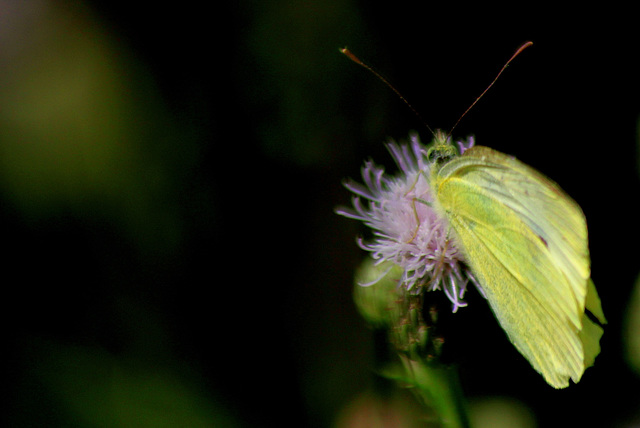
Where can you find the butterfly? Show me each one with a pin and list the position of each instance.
(526, 243)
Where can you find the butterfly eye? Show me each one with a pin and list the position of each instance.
(441, 153)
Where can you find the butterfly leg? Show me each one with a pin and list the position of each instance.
(415, 213)
(414, 207)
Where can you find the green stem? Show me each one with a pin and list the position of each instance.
(438, 388)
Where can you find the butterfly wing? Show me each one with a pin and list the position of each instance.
(526, 242)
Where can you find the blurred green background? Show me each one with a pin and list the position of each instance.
(168, 175)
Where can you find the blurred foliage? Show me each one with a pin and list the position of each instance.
(88, 387)
(500, 412)
(82, 126)
(632, 329)
(89, 157)
(632, 311)
(368, 410)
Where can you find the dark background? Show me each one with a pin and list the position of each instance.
(169, 174)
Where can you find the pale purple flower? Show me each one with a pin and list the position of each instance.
(407, 230)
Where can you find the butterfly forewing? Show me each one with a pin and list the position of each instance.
(526, 242)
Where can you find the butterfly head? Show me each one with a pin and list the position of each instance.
(441, 149)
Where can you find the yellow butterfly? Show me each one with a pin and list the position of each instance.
(526, 242)
(524, 239)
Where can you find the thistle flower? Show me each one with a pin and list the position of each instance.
(407, 231)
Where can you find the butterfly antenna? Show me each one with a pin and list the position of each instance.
(520, 49)
(358, 61)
